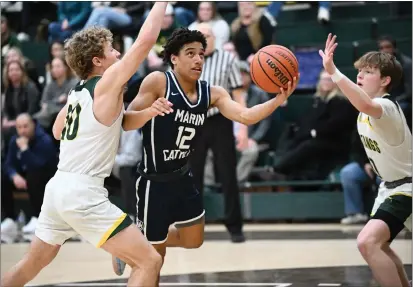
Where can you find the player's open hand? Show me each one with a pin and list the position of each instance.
(161, 107)
(284, 94)
(328, 54)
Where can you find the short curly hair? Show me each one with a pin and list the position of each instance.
(178, 39)
(83, 46)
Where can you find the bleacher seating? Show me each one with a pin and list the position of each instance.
(357, 24)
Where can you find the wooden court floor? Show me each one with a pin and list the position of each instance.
(273, 255)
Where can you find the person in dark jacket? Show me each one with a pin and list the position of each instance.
(322, 137)
(30, 163)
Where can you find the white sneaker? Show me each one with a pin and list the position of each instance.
(9, 226)
(357, 218)
(31, 226)
(323, 15)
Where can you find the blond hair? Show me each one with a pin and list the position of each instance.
(83, 46)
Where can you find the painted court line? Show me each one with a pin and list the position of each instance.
(180, 284)
(329, 284)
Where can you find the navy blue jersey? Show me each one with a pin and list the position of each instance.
(168, 140)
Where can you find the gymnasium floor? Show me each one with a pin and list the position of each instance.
(275, 255)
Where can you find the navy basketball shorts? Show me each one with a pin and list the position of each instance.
(161, 204)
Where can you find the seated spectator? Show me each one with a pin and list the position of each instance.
(403, 92)
(256, 133)
(55, 93)
(30, 163)
(111, 15)
(355, 176)
(251, 31)
(207, 12)
(72, 16)
(8, 39)
(322, 136)
(15, 54)
(56, 49)
(20, 96)
(126, 161)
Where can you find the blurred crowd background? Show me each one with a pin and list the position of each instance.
(308, 144)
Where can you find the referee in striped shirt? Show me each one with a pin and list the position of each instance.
(221, 69)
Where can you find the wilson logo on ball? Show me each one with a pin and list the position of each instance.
(277, 72)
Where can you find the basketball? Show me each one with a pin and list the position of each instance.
(273, 67)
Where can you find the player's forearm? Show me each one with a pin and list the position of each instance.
(146, 39)
(357, 97)
(256, 113)
(133, 120)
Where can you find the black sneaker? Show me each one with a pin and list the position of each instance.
(237, 237)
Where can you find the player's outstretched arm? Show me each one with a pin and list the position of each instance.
(118, 74)
(59, 123)
(150, 102)
(248, 116)
(358, 98)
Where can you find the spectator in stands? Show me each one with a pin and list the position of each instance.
(31, 162)
(126, 161)
(15, 54)
(322, 136)
(403, 92)
(20, 96)
(111, 15)
(169, 24)
(207, 12)
(72, 16)
(55, 50)
(256, 133)
(323, 15)
(251, 31)
(355, 176)
(55, 93)
(8, 39)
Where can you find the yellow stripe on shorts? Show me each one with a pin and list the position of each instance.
(111, 229)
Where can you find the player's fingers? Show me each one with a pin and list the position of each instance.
(332, 41)
(333, 48)
(167, 107)
(328, 40)
(159, 108)
(165, 102)
(321, 53)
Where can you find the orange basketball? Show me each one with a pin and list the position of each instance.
(273, 67)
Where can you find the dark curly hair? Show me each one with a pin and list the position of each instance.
(178, 39)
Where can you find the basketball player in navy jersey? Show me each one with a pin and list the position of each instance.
(171, 107)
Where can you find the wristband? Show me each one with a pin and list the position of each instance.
(337, 76)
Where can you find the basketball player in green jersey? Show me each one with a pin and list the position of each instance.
(89, 126)
(387, 141)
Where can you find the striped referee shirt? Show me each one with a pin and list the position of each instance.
(221, 68)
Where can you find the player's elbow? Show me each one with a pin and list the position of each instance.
(57, 133)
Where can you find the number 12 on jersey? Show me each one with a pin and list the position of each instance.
(184, 134)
